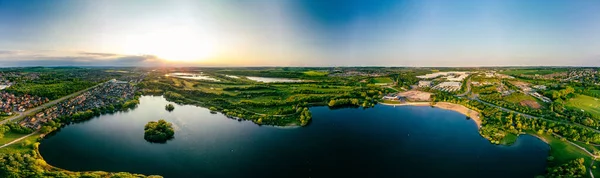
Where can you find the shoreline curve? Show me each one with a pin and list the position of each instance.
(474, 115)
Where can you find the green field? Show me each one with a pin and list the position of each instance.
(586, 103)
(595, 92)
(382, 80)
(518, 97)
(313, 73)
(19, 147)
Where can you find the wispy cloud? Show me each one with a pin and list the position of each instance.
(10, 58)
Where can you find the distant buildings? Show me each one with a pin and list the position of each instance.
(540, 87)
(392, 97)
(448, 86)
(528, 90)
(450, 76)
(424, 84)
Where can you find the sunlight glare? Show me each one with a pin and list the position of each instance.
(175, 44)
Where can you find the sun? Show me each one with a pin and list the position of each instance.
(175, 44)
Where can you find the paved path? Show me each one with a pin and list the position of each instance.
(535, 117)
(18, 139)
(592, 155)
(592, 165)
(44, 106)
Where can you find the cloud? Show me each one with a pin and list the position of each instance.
(99, 54)
(4, 52)
(15, 58)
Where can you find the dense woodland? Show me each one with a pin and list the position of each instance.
(158, 132)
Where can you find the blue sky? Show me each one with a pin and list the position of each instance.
(300, 33)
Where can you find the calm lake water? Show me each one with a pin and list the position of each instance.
(192, 76)
(271, 80)
(384, 141)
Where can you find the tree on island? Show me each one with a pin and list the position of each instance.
(159, 132)
(169, 107)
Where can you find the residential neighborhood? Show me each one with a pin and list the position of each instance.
(106, 94)
(12, 103)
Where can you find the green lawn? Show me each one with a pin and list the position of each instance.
(509, 139)
(9, 136)
(382, 80)
(586, 103)
(563, 151)
(590, 148)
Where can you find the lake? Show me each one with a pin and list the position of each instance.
(385, 141)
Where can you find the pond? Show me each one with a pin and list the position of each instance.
(192, 76)
(271, 80)
(385, 141)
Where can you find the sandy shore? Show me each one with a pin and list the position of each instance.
(474, 115)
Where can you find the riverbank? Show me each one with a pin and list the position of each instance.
(474, 115)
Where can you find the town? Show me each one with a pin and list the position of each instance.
(106, 94)
(10, 103)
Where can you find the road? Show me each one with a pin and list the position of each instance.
(20, 115)
(468, 88)
(18, 139)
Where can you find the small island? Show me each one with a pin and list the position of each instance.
(158, 132)
(169, 107)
